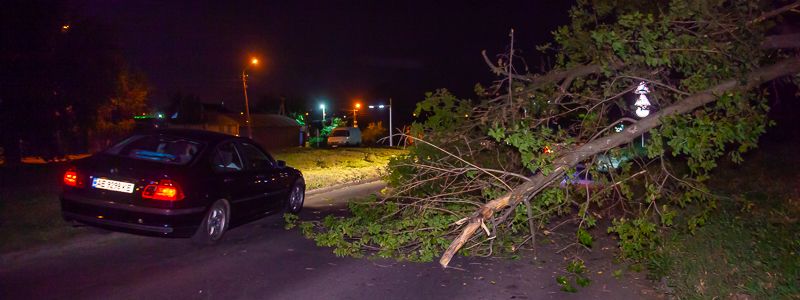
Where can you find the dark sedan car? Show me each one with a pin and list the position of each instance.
(179, 183)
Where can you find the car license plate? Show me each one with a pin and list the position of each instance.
(112, 185)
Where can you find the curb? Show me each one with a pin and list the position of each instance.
(341, 186)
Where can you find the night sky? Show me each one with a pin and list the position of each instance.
(313, 50)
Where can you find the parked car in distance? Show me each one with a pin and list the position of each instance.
(179, 183)
(345, 136)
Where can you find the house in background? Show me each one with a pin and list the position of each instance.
(271, 131)
(204, 116)
(274, 131)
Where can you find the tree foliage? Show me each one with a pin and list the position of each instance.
(373, 133)
(469, 153)
(60, 74)
(115, 117)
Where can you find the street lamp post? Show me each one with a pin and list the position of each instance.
(253, 62)
(355, 111)
(391, 144)
(322, 107)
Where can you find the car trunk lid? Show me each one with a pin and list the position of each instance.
(122, 179)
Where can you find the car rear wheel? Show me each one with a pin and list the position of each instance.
(296, 197)
(214, 224)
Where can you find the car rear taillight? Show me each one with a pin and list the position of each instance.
(165, 189)
(72, 178)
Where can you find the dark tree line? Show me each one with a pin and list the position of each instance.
(62, 79)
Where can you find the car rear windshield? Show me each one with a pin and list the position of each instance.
(159, 148)
(341, 133)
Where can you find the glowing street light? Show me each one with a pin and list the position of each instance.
(253, 62)
(322, 107)
(391, 144)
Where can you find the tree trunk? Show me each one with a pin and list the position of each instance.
(539, 181)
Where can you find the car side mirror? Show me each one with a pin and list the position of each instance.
(281, 164)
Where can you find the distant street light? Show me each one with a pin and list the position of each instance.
(322, 107)
(391, 144)
(253, 62)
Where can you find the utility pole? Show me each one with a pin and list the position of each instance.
(247, 105)
(253, 62)
(390, 123)
(322, 106)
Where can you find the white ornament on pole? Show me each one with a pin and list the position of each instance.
(642, 104)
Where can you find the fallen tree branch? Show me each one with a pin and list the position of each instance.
(773, 13)
(497, 70)
(578, 71)
(782, 41)
(540, 180)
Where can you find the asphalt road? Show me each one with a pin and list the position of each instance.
(262, 260)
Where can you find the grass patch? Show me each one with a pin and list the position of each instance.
(327, 167)
(751, 246)
(31, 214)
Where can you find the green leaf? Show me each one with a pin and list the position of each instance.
(584, 237)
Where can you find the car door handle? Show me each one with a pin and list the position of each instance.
(227, 180)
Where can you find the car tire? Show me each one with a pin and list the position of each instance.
(297, 195)
(214, 224)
